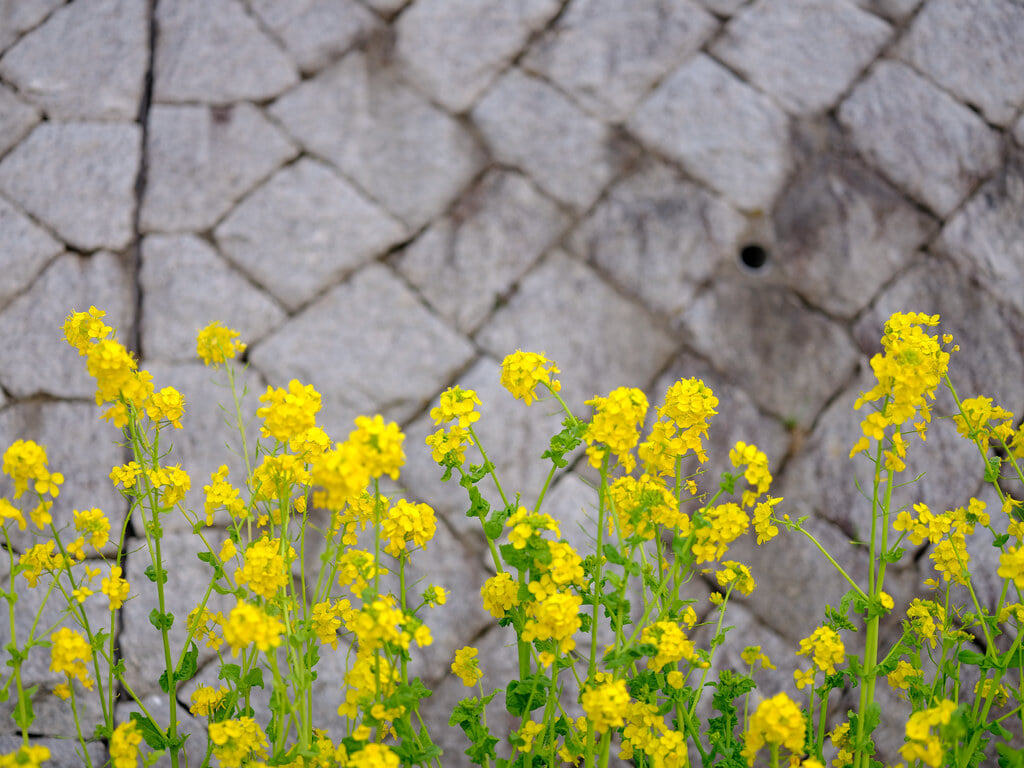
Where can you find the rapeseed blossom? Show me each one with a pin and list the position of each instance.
(124, 745)
(756, 473)
(205, 699)
(166, 405)
(250, 625)
(688, 405)
(81, 329)
(605, 702)
(25, 461)
(924, 740)
(265, 569)
(237, 741)
(500, 594)
(456, 404)
(69, 652)
(466, 666)
(216, 344)
(94, 523)
(115, 588)
(221, 494)
(25, 757)
(288, 412)
(380, 444)
(406, 522)
(556, 617)
(521, 372)
(778, 722)
(615, 426)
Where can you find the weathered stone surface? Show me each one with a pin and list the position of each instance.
(197, 43)
(798, 356)
(16, 119)
(37, 359)
(101, 67)
(314, 221)
(386, 7)
(895, 10)
(990, 361)
(385, 362)
(184, 283)
(79, 179)
(514, 437)
(1018, 131)
(316, 32)
(79, 445)
(20, 16)
(53, 717)
(659, 237)
(529, 124)
(187, 581)
(843, 233)
(826, 45)
(738, 417)
(724, 8)
(607, 55)
(409, 155)
(26, 249)
(986, 236)
(453, 49)
(599, 340)
(463, 263)
(722, 130)
(972, 49)
(209, 437)
(929, 145)
(64, 753)
(203, 160)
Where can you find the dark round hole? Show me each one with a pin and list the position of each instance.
(753, 256)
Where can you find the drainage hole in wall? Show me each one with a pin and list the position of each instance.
(754, 257)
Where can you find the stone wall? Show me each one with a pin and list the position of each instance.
(386, 197)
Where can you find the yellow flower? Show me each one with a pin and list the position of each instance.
(265, 569)
(736, 574)
(923, 741)
(10, 512)
(521, 372)
(605, 703)
(500, 593)
(374, 756)
(467, 666)
(166, 405)
(84, 328)
(380, 444)
(26, 461)
(450, 445)
(25, 757)
(249, 624)
(778, 721)
(235, 741)
(69, 653)
(173, 480)
(756, 474)
(1011, 566)
(456, 404)
(289, 412)
(407, 522)
(217, 344)
(94, 523)
(689, 404)
(124, 745)
(326, 623)
(556, 617)
(206, 699)
(39, 558)
(753, 654)
(126, 474)
(825, 648)
(615, 426)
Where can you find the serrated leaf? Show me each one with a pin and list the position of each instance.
(150, 732)
(150, 572)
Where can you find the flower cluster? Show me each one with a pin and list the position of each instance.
(521, 372)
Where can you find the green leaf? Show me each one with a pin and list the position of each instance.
(151, 574)
(728, 483)
(150, 732)
(255, 678)
(189, 664)
(613, 555)
(161, 621)
(992, 469)
(526, 695)
(999, 540)
(230, 672)
(23, 714)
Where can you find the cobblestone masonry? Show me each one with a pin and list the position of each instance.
(387, 196)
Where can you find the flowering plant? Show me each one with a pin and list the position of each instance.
(607, 649)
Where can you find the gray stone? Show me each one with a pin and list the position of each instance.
(659, 237)
(187, 580)
(316, 32)
(599, 339)
(386, 7)
(53, 717)
(514, 437)
(608, 55)
(184, 283)
(826, 46)
(203, 160)
(894, 10)
(26, 247)
(209, 436)
(101, 67)
(972, 49)
(17, 118)
(63, 753)
(799, 357)
(193, 728)
(986, 236)
(1018, 131)
(723, 7)
(927, 144)
(311, 220)
(453, 49)
(463, 263)
(989, 362)
(410, 156)
(843, 233)
(529, 124)
(37, 358)
(197, 43)
(20, 16)
(723, 131)
(79, 179)
(385, 362)
(65, 430)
